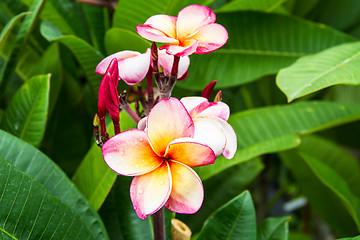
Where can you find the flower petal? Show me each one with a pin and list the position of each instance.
(187, 192)
(103, 65)
(191, 18)
(192, 103)
(231, 141)
(190, 152)
(201, 107)
(166, 61)
(210, 37)
(154, 34)
(208, 131)
(216, 109)
(133, 70)
(167, 121)
(150, 192)
(187, 47)
(164, 23)
(129, 153)
(142, 124)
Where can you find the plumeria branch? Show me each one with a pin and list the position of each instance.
(159, 224)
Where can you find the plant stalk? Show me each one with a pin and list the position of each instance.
(159, 224)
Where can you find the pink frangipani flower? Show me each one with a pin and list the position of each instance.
(133, 66)
(210, 124)
(193, 31)
(161, 158)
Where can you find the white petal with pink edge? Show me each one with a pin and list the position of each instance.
(166, 61)
(187, 193)
(231, 141)
(167, 121)
(133, 70)
(103, 65)
(191, 103)
(208, 132)
(191, 18)
(216, 109)
(129, 153)
(190, 152)
(164, 23)
(150, 192)
(154, 34)
(210, 38)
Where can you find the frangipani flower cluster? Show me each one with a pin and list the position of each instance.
(175, 135)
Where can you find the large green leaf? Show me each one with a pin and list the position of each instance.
(87, 56)
(26, 114)
(34, 163)
(28, 211)
(118, 39)
(22, 37)
(254, 5)
(276, 128)
(9, 26)
(337, 65)
(326, 186)
(93, 177)
(222, 188)
(259, 44)
(345, 164)
(235, 220)
(274, 229)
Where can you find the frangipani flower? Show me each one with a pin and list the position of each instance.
(161, 158)
(133, 66)
(193, 31)
(109, 97)
(211, 127)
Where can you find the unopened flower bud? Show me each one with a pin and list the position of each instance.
(218, 97)
(206, 93)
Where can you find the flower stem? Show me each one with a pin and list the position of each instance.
(159, 225)
(126, 107)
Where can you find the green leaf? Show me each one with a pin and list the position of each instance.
(28, 211)
(87, 56)
(336, 65)
(235, 220)
(9, 26)
(274, 229)
(259, 44)
(95, 18)
(327, 191)
(276, 128)
(222, 188)
(330, 153)
(21, 38)
(93, 177)
(50, 62)
(35, 164)
(253, 5)
(354, 238)
(118, 39)
(26, 114)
